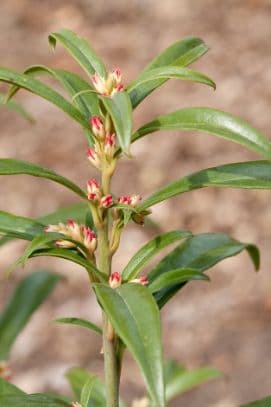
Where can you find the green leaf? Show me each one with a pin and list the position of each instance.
(266, 402)
(28, 296)
(35, 400)
(164, 73)
(44, 91)
(120, 110)
(9, 166)
(200, 252)
(139, 331)
(86, 392)
(77, 212)
(181, 380)
(79, 322)
(150, 249)
(247, 175)
(80, 50)
(8, 389)
(214, 122)
(174, 277)
(17, 107)
(181, 53)
(19, 227)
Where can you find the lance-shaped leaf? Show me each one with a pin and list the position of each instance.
(164, 73)
(80, 50)
(247, 175)
(179, 380)
(212, 121)
(17, 107)
(173, 277)
(150, 249)
(8, 389)
(77, 212)
(181, 53)
(19, 227)
(79, 322)
(120, 109)
(28, 296)
(9, 166)
(140, 331)
(265, 402)
(40, 89)
(35, 400)
(200, 252)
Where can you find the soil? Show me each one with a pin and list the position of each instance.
(225, 324)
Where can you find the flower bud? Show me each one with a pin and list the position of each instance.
(97, 127)
(107, 201)
(98, 83)
(90, 241)
(115, 280)
(76, 404)
(109, 86)
(141, 280)
(94, 190)
(125, 199)
(65, 244)
(93, 158)
(74, 230)
(109, 145)
(135, 199)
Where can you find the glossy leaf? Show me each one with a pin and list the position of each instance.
(120, 110)
(35, 400)
(79, 322)
(28, 296)
(212, 121)
(150, 249)
(19, 227)
(9, 166)
(247, 175)
(44, 91)
(200, 252)
(164, 73)
(139, 331)
(8, 389)
(17, 107)
(174, 277)
(265, 402)
(80, 50)
(77, 212)
(181, 53)
(179, 380)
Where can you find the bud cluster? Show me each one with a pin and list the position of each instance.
(108, 86)
(115, 280)
(132, 200)
(79, 233)
(95, 195)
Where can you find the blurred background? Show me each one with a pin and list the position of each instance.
(225, 324)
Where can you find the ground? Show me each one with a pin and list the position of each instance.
(226, 323)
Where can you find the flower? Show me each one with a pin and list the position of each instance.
(107, 201)
(108, 86)
(94, 157)
(94, 190)
(109, 145)
(90, 238)
(97, 127)
(141, 280)
(115, 280)
(130, 200)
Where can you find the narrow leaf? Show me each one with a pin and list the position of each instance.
(140, 331)
(120, 109)
(17, 107)
(35, 400)
(9, 166)
(80, 50)
(8, 389)
(19, 227)
(44, 91)
(150, 249)
(265, 402)
(247, 175)
(86, 392)
(214, 122)
(79, 322)
(174, 277)
(28, 296)
(77, 212)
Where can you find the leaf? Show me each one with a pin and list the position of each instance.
(120, 110)
(164, 73)
(8, 389)
(181, 380)
(150, 249)
(86, 392)
(174, 277)
(28, 296)
(79, 322)
(80, 50)
(247, 175)
(17, 107)
(35, 400)
(181, 53)
(140, 331)
(77, 212)
(265, 402)
(200, 252)
(44, 91)
(19, 227)
(212, 121)
(9, 166)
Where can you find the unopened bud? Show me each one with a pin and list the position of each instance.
(90, 241)
(109, 86)
(94, 190)
(74, 230)
(65, 244)
(115, 280)
(125, 199)
(135, 199)
(141, 280)
(109, 145)
(98, 83)
(93, 158)
(97, 127)
(107, 201)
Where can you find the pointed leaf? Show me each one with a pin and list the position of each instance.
(140, 331)
(150, 249)
(164, 73)
(80, 50)
(79, 322)
(200, 252)
(247, 175)
(17, 107)
(40, 89)
(77, 212)
(86, 392)
(35, 400)
(174, 277)
(8, 389)
(212, 121)
(120, 109)
(181, 53)
(28, 296)
(19, 227)
(9, 166)
(265, 402)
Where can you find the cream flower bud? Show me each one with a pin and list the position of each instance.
(90, 239)
(93, 158)
(109, 86)
(115, 280)
(74, 230)
(125, 199)
(135, 199)
(141, 280)
(109, 145)
(65, 244)
(94, 190)
(97, 127)
(76, 404)
(107, 201)
(98, 83)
